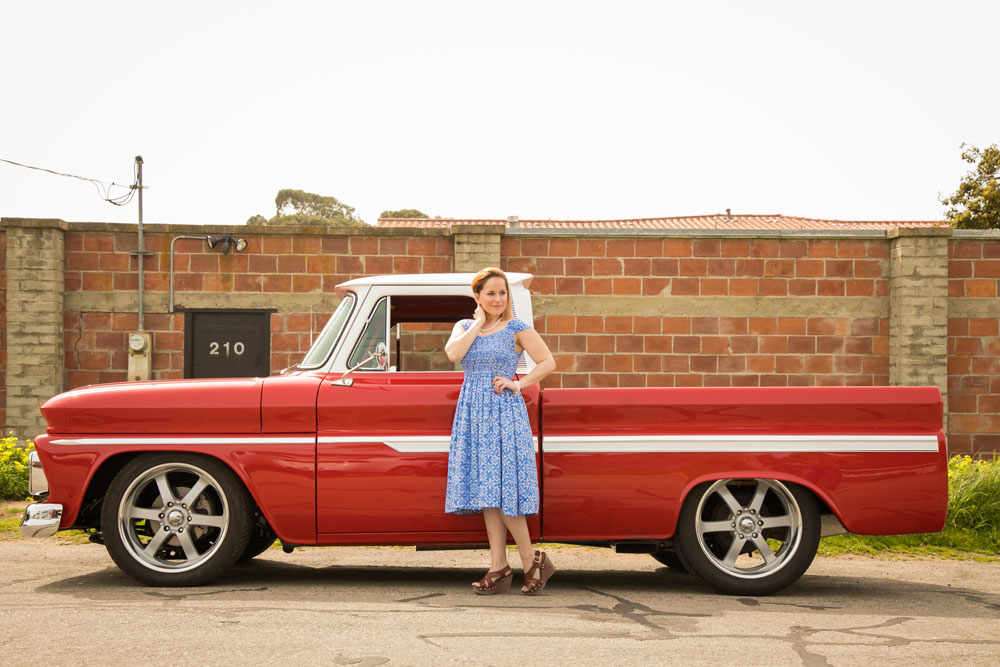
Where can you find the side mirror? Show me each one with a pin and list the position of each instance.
(380, 356)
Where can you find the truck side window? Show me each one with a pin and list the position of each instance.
(420, 325)
(373, 334)
(419, 346)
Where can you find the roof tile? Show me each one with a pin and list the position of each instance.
(714, 221)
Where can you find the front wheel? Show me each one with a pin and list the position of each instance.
(748, 536)
(261, 538)
(175, 519)
(670, 559)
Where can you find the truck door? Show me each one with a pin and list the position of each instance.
(382, 448)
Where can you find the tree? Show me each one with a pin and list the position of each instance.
(404, 213)
(298, 207)
(976, 203)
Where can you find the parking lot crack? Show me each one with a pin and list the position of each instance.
(184, 596)
(631, 611)
(753, 602)
(421, 597)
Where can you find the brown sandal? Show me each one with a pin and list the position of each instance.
(494, 582)
(539, 572)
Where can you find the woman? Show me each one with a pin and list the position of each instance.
(491, 463)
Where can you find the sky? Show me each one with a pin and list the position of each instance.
(562, 110)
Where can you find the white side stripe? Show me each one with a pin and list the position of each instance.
(183, 440)
(740, 443)
(413, 444)
(581, 444)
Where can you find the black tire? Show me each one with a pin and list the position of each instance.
(775, 525)
(261, 538)
(670, 559)
(162, 531)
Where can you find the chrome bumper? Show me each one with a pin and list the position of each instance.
(41, 519)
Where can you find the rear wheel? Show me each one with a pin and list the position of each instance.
(748, 536)
(175, 519)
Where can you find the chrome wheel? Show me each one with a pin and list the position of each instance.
(173, 517)
(749, 536)
(748, 528)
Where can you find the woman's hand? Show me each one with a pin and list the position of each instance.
(479, 317)
(502, 383)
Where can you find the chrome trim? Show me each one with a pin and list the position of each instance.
(37, 482)
(593, 444)
(413, 444)
(180, 440)
(41, 519)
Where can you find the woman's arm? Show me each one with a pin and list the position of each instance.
(462, 339)
(529, 341)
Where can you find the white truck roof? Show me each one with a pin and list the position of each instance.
(521, 279)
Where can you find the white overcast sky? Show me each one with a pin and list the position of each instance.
(563, 110)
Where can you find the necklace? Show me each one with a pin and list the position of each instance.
(483, 331)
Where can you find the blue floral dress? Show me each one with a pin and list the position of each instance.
(491, 462)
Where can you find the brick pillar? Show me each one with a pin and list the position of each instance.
(476, 246)
(34, 320)
(918, 307)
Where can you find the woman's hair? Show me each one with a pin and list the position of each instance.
(479, 281)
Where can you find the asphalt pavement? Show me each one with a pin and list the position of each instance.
(63, 604)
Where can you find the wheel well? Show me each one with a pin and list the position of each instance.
(93, 498)
(90, 509)
(824, 508)
(820, 503)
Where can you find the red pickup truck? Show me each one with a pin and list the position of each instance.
(182, 479)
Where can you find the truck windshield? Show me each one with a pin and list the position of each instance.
(320, 349)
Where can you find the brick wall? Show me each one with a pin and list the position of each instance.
(280, 268)
(709, 312)
(974, 345)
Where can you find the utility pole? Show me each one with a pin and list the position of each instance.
(142, 247)
(140, 342)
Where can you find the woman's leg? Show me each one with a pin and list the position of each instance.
(498, 537)
(518, 527)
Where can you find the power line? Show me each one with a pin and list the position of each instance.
(103, 189)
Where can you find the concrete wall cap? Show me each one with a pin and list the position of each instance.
(898, 232)
(497, 230)
(34, 223)
(239, 230)
(977, 233)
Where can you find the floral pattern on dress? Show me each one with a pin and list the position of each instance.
(491, 460)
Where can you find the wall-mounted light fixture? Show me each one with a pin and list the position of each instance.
(228, 242)
(225, 242)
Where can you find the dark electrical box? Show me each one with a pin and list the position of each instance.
(227, 343)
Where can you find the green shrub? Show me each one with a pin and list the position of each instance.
(14, 467)
(974, 496)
